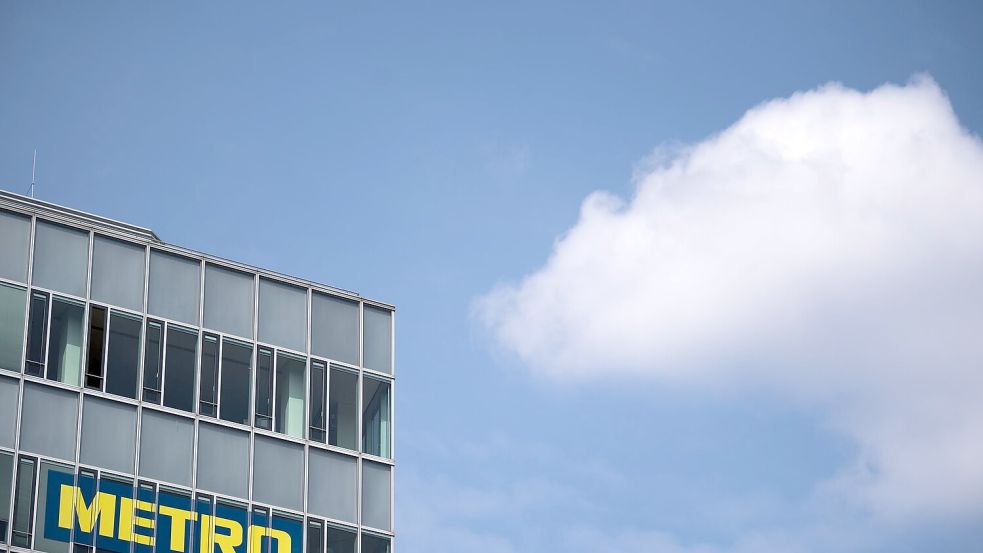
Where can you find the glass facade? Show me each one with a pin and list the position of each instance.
(214, 406)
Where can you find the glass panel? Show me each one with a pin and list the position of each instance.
(23, 503)
(236, 375)
(331, 488)
(9, 400)
(143, 518)
(117, 272)
(124, 355)
(282, 314)
(153, 361)
(278, 472)
(334, 328)
(204, 535)
(179, 370)
(374, 544)
(318, 391)
(166, 445)
(340, 540)
(15, 241)
(12, 310)
(229, 301)
(61, 258)
(289, 402)
(37, 334)
(229, 518)
(88, 485)
(378, 336)
(49, 421)
(376, 495)
(287, 526)
(315, 537)
(41, 542)
(343, 409)
(6, 480)
(97, 341)
(223, 460)
(375, 417)
(261, 518)
(208, 384)
(65, 341)
(174, 287)
(108, 434)
(264, 389)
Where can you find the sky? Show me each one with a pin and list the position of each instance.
(681, 277)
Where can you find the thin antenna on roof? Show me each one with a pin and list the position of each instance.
(34, 171)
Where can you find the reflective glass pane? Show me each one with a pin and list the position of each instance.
(61, 258)
(208, 382)
(343, 409)
(282, 314)
(179, 368)
(174, 287)
(15, 242)
(37, 334)
(375, 417)
(108, 434)
(166, 444)
(229, 301)
(123, 361)
(9, 399)
(118, 272)
(278, 472)
(23, 503)
(223, 460)
(332, 487)
(378, 336)
(6, 479)
(318, 414)
(315, 537)
(153, 361)
(289, 402)
(13, 306)
(49, 421)
(41, 542)
(236, 375)
(65, 341)
(264, 389)
(376, 495)
(374, 544)
(334, 328)
(340, 540)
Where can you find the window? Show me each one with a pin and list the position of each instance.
(65, 341)
(153, 361)
(223, 460)
(15, 241)
(41, 542)
(173, 291)
(123, 361)
(37, 334)
(49, 421)
(229, 301)
(378, 334)
(334, 328)
(97, 342)
(108, 434)
(343, 408)
(12, 308)
(61, 258)
(340, 540)
(179, 368)
(376, 495)
(23, 503)
(6, 479)
(332, 489)
(236, 378)
(375, 417)
(289, 402)
(118, 272)
(264, 389)
(282, 314)
(315, 536)
(374, 544)
(208, 384)
(166, 447)
(87, 482)
(319, 391)
(171, 501)
(278, 472)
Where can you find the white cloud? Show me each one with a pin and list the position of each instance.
(827, 247)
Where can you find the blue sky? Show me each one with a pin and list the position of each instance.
(425, 153)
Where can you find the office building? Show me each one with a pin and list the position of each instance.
(156, 399)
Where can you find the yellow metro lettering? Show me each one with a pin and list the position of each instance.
(102, 508)
(179, 518)
(227, 542)
(143, 522)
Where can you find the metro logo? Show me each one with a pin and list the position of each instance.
(114, 520)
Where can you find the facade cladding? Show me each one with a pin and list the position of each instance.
(153, 399)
